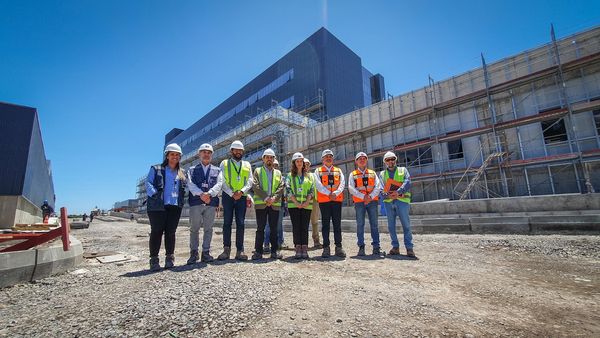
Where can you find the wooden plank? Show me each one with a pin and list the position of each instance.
(113, 258)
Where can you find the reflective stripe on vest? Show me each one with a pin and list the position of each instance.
(264, 185)
(400, 178)
(237, 182)
(359, 182)
(331, 181)
(301, 191)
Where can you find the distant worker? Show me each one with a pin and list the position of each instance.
(84, 216)
(397, 203)
(364, 186)
(165, 186)
(330, 183)
(235, 179)
(268, 186)
(203, 202)
(91, 216)
(131, 218)
(300, 189)
(314, 214)
(47, 210)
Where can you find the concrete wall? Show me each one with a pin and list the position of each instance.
(565, 202)
(18, 209)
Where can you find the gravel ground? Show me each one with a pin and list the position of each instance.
(461, 286)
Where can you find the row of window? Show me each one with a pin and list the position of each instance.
(266, 90)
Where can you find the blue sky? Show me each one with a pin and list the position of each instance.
(110, 78)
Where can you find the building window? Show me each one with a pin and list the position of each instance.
(554, 131)
(416, 157)
(455, 150)
(597, 119)
(378, 163)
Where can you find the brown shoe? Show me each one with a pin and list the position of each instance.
(394, 251)
(410, 253)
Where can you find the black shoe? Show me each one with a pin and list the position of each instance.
(326, 252)
(256, 256)
(206, 257)
(376, 251)
(361, 250)
(154, 264)
(276, 255)
(193, 257)
(169, 261)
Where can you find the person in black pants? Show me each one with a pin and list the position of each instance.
(330, 181)
(300, 189)
(165, 186)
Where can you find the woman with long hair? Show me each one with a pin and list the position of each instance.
(165, 186)
(300, 189)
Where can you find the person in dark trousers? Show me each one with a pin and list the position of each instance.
(47, 210)
(282, 213)
(165, 186)
(267, 185)
(84, 217)
(91, 216)
(330, 183)
(300, 189)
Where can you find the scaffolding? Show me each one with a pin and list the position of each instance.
(507, 107)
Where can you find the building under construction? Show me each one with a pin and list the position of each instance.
(528, 124)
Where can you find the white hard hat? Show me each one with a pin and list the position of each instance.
(206, 146)
(275, 162)
(268, 152)
(361, 154)
(306, 160)
(297, 156)
(173, 147)
(326, 152)
(389, 154)
(237, 145)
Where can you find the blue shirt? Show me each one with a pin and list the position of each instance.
(171, 191)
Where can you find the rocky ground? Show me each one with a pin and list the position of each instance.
(461, 286)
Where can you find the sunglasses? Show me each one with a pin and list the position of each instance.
(390, 160)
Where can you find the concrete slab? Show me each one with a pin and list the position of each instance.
(500, 225)
(27, 265)
(569, 224)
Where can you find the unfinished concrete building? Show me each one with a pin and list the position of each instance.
(526, 125)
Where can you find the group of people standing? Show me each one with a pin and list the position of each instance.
(304, 194)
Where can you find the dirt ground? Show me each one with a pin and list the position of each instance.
(461, 285)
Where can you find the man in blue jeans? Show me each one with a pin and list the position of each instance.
(235, 181)
(364, 186)
(397, 202)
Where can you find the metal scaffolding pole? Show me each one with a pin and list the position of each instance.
(566, 104)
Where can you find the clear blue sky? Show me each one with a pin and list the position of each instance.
(109, 78)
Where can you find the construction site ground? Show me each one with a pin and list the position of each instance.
(461, 286)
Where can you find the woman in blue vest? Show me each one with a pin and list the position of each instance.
(300, 189)
(165, 186)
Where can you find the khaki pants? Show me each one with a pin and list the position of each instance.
(314, 219)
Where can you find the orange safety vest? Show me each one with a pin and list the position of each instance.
(364, 183)
(331, 181)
